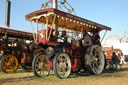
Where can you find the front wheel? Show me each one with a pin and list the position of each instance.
(9, 63)
(40, 65)
(62, 65)
(94, 60)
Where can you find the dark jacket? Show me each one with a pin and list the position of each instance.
(115, 59)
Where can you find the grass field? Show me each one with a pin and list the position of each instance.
(28, 78)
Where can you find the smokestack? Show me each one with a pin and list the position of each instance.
(54, 4)
(7, 15)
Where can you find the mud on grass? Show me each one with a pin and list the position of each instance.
(27, 78)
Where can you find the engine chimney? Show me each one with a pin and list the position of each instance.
(54, 4)
(7, 14)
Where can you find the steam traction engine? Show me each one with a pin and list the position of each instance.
(16, 47)
(63, 51)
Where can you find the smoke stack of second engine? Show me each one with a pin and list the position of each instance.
(7, 16)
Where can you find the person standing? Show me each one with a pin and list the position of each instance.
(122, 59)
(87, 40)
(96, 37)
(115, 60)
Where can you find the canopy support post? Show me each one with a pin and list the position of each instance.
(103, 35)
(46, 27)
(33, 31)
(53, 27)
(36, 29)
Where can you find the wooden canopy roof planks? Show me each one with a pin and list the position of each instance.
(65, 20)
(15, 33)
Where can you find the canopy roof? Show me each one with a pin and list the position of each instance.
(15, 33)
(64, 20)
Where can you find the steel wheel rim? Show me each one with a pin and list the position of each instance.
(42, 65)
(63, 65)
(97, 60)
(10, 64)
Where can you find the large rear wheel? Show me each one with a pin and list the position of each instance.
(9, 63)
(40, 65)
(94, 60)
(62, 65)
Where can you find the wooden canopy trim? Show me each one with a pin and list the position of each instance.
(15, 33)
(89, 24)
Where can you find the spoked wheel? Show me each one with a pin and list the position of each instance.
(9, 63)
(94, 59)
(62, 65)
(40, 65)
